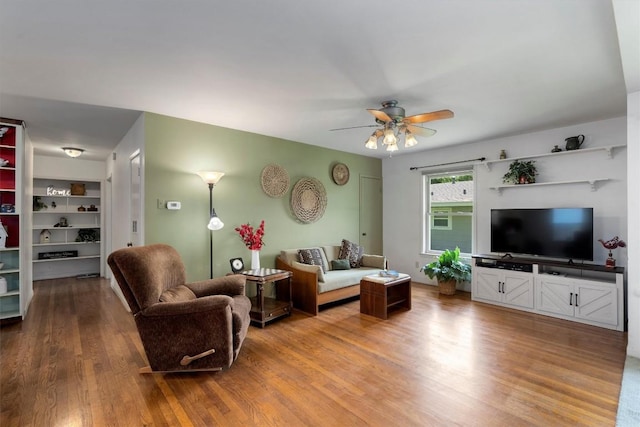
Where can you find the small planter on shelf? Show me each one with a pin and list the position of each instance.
(521, 172)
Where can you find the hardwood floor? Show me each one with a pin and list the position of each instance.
(74, 362)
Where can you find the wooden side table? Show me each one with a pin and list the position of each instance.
(379, 294)
(265, 309)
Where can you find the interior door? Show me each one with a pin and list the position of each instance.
(135, 236)
(371, 215)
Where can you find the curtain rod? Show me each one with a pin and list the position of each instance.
(481, 159)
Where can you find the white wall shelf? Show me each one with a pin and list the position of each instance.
(591, 182)
(609, 149)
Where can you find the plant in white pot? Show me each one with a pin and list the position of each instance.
(449, 271)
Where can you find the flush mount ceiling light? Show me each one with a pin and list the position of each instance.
(73, 152)
(393, 125)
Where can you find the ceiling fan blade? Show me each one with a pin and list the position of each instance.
(419, 130)
(380, 115)
(356, 127)
(427, 117)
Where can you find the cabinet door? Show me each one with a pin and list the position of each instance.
(555, 295)
(518, 289)
(597, 302)
(486, 284)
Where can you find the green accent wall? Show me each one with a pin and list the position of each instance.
(175, 149)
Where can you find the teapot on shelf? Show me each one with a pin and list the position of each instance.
(574, 142)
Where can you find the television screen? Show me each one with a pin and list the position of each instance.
(555, 233)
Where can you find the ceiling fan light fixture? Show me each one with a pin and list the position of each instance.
(73, 152)
(392, 147)
(409, 140)
(389, 136)
(372, 142)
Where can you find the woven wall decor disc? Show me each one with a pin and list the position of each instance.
(274, 180)
(308, 200)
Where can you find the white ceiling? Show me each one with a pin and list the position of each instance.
(79, 72)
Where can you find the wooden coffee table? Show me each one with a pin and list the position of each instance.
(378, 294)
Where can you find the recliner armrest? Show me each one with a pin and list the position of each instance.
(230, 285)
(200, 305)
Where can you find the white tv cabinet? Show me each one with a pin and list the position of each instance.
(585, 293)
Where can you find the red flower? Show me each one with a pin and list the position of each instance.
(251, 239)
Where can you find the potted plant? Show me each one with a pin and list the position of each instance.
(449, 271)
(521, 172)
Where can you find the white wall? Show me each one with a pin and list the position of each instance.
(402, 188)
(119, 193)
(633, 198)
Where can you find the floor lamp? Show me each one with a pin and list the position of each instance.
(211, 178)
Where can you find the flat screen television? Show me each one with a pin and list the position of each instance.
(555, 233)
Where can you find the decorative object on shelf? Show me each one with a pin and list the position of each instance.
(4, 235)
(274, 180)
(340, 174)
(7, 208)
(211, 178)
(1, 265)
(78, 189)
(556, 149)
(574, 142)
(611, 245)
(4, 162)
(3, 130)
(57, 254)
(521, 172)
(308, 200)
(92, 208)
(252, 239)
(449, 271)
(72, 151)
(38, 204)
(45, 236)
(53, 205)
(503, 154)
(3, 285)
(62, 223)
(52, 191)
(82, 209)
(237, 265)
(88, 235)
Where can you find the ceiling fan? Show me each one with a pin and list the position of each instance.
(393, 123)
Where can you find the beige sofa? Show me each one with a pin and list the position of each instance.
(311, 287)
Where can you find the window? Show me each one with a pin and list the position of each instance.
(448, 211)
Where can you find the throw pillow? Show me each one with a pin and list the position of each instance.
(352, 252)
(311, 256)
(310, 268)
(340, 264)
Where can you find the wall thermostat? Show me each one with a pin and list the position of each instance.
(174, 206)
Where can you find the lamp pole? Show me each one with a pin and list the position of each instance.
(211, 231)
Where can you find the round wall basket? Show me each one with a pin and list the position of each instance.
(340, 174)
(308, 200)
(274, 180)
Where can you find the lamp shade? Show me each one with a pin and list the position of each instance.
(211, 177)
(215, 223)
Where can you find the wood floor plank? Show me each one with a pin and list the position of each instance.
(74, 360)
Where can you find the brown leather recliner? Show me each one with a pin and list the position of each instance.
(183, 326)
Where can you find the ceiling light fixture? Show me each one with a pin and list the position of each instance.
(73, 152)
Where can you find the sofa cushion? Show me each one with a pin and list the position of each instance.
(309, 268)
(376, 261)
(340, 264)
(352, 252)
(342, 278)
(313, 256)
(177, 294)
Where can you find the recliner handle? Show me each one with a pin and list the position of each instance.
(188, 359)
